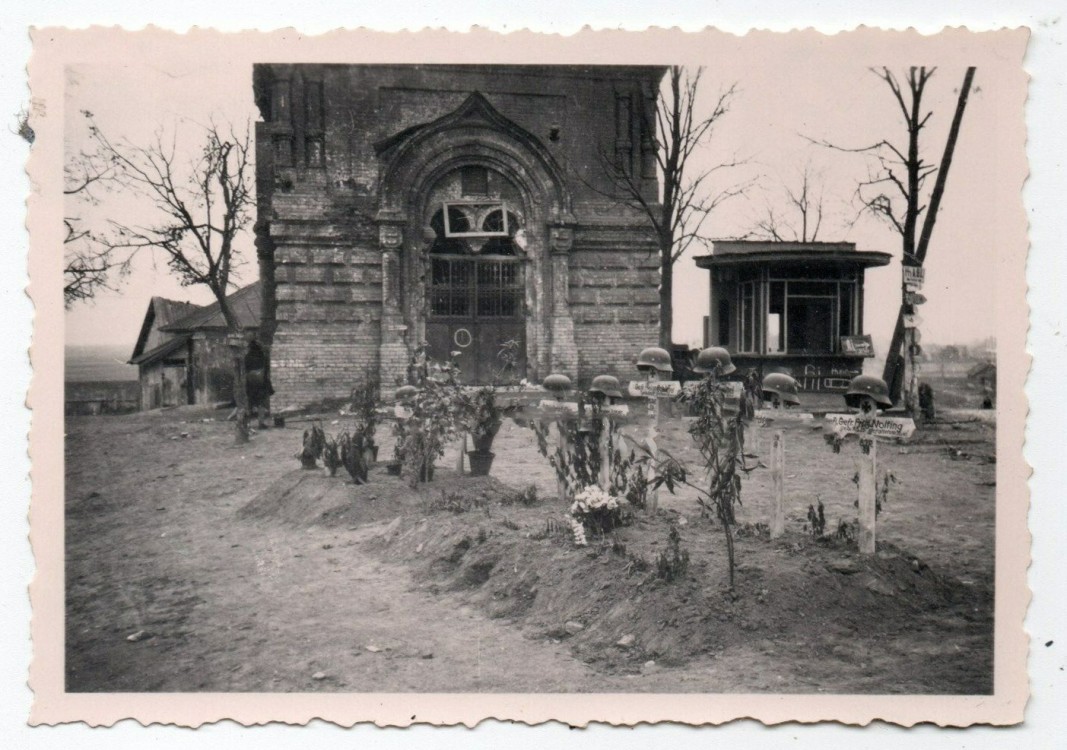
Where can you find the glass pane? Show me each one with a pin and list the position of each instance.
(439, 303)
(510, 304)
(461, 273)
(488, 274)
(439, 272)
(812, 288)
(845, 311)
(774, 332)
(457, 221)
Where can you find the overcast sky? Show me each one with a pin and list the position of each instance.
(789, 89)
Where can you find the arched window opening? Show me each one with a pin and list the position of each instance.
(494, 222)
(443, 245)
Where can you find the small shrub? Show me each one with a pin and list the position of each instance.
(758, 530)
(847, 531)
(816, 520)
(454, 502)
(527, 497)
(881, 493)
(554, 527)
(364, 406)
(331, 458)
(636, 564)
(673, 562)
(313, 445)
(435, 410)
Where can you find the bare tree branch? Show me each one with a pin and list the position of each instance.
(678, 215)
(199, 210)
(905, 169)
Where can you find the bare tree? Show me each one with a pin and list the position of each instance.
(200, 206)
(896, 192)
(686, 198)
(804, 202)
(87, 266)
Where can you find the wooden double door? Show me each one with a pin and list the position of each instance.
(476, 308)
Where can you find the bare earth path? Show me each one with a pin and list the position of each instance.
(225, 605)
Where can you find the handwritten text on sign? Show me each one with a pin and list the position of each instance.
(655, 388)
(884, 427)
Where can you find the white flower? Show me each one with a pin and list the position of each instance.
(579, 532)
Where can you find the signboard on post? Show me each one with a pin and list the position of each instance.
(914, 276)
(568, 411)
(784, 415)
(914, 298)
(857, 346)
(859, 424)
(912, 321)
(649, 388)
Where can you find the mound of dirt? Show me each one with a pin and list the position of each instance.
(305, 498)
(607, 600)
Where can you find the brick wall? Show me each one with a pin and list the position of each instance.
(614, 299)
(318, 177)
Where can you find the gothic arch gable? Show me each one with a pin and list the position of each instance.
(474, 133)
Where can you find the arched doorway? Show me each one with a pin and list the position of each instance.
(476, 290)
(514, 277)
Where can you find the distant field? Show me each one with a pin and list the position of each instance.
(98, 363)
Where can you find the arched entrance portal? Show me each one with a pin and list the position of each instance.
(476, 290)
(475, 228)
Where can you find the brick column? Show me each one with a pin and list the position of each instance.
(393, 351)
(564, 354)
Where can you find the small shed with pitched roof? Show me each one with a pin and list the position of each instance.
(181, 354)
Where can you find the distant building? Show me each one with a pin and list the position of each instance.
(793, 307)
(96, 397)
(462, 206)
(181, 354)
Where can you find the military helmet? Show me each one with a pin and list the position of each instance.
(712, 357)
(865, 387)
(606, 385)
(783, 386)
(556, 383)
(654, 358)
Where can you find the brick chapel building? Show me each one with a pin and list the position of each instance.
(461, 206)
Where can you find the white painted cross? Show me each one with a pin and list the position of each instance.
(873, 428)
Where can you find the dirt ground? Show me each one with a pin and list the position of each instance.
(194, 564)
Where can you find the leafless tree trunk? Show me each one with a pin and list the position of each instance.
(201, 208)
(686, 197)
(895, 192)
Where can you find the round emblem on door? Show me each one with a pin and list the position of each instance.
(463, 338)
